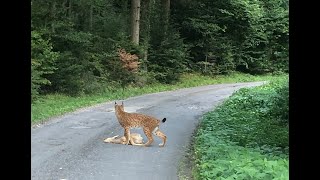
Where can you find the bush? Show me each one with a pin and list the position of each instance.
(43, 60)
(169, 60)
(247, 136)
(280, 109)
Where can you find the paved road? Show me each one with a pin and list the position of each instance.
(71, 147)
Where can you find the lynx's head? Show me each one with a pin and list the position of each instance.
(118, 107)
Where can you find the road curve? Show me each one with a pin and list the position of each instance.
(71, 147)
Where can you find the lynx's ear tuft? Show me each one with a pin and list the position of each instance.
(115, 103)
(122, 103)
(164, 120)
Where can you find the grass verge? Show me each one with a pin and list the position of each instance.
(246, 137)
(57, 104)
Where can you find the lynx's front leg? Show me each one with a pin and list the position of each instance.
(127, 135)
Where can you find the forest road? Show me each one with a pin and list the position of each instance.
(71, 146)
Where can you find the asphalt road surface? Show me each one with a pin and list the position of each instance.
(71, 147)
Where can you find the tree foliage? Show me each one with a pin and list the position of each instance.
(75, 43)
(42, 62)
(87, 34)
(245, 35)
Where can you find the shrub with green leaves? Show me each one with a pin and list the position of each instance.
(169, 60)
(43, 60)
(247, 136)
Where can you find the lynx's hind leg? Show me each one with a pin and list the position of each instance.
(160, 134)
(148, 133)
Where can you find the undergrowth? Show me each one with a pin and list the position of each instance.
(57, 104)
(247, 136)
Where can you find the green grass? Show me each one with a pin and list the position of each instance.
(57, 104)
(247, 136)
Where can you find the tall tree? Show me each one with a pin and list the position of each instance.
(135, 21)
(166, 14)
(145, 29)
(91, 17)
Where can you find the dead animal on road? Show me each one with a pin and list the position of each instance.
(149, 124)
(137, 139)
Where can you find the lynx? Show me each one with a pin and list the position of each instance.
(149, 124)
(137, 138)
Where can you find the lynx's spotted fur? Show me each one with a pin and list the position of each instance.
(135, 120)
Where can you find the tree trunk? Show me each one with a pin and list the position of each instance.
(145, 30)
(70, 7)
(145, 21)
(166, 8)
(91, 17)
(53, 15)
(206, 62)
(166, 14)
(135, 21)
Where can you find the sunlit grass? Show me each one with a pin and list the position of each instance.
(58, 104)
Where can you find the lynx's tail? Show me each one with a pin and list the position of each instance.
(164, 120)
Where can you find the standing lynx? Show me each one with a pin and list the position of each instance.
(134, 120)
